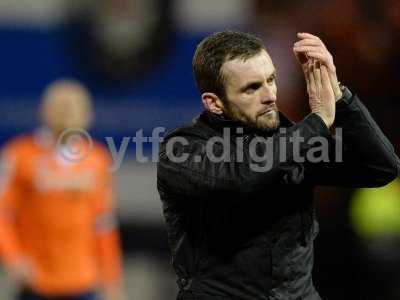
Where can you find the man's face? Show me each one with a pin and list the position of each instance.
(66, 106)
(250, 89)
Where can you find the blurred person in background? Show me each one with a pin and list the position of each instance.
(58, 233)
(124, 39)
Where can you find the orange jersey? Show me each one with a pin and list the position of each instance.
(59, 215)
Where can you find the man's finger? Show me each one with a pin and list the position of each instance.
(335, 85)
(323, 58)
(317, 75)
(303, 35)
(301, 57)
(313, 90)
(307, 77)
(331, 75)
(309, 48)
(309, 42)
(326, 83)
(319, 56)
(325, 79)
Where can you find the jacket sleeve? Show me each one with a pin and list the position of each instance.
(367, 158)
(107, 237)
(10, 185)
(198, 174)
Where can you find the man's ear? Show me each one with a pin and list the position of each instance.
(212, 103)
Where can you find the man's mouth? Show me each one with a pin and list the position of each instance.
(267, 112)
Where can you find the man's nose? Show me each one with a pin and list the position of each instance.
(268, 96)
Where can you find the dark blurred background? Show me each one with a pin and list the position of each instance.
(135, 57)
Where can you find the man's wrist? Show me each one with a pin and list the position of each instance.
(324, 119)
(347, 95)
(338, 92)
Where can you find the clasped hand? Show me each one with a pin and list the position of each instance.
(320, 74)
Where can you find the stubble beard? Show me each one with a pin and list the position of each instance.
(265, 122)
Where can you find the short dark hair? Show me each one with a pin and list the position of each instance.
(216, 49)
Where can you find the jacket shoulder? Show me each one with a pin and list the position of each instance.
(196, 131)
(19, 144)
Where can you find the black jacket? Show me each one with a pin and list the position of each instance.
(236, 233)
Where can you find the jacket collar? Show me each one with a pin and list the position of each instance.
(219, 122)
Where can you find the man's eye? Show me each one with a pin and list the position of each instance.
(252, 88)
(271, 79)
